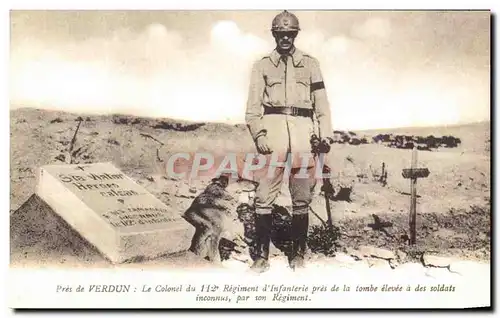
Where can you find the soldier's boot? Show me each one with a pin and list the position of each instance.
(263, 226)
(300, 226)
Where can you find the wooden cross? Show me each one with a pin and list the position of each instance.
(414, 173)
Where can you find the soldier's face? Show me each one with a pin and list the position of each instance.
(285, 40)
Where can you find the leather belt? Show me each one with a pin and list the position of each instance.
(292, 111)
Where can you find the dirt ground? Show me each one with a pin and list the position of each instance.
(453, 205)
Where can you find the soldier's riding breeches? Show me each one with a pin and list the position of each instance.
(301, 185)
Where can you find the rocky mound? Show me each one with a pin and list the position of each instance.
(422, 143)
(398, 141)
(37, 234)
(40, 238)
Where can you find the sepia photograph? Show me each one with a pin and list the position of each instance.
(250, 159)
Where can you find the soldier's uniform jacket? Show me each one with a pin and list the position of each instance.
(294, 81)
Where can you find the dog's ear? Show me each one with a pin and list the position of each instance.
(222, 181)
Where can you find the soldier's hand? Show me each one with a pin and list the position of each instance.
(263, 145)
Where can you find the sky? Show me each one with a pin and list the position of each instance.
(381, 69)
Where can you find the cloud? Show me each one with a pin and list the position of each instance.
(157, 72)
(338, 44)
(152, 72)
(374, 27)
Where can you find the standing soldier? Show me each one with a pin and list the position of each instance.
(286, 93)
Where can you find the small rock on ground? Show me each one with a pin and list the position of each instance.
(357, 255)
(344, 258)
(401, 255)
(436, 261)
(376, 252)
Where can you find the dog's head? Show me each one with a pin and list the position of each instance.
(222, 181)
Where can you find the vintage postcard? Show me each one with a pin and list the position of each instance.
(250, 159)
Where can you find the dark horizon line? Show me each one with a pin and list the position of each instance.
(75, 113)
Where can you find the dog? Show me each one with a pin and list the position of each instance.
(215, 215)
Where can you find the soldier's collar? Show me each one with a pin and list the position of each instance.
(297, 57)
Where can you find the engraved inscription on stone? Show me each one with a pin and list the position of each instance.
(137, 216)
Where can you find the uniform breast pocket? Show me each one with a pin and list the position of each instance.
(275, 89)
(273, 80)
(303, 89)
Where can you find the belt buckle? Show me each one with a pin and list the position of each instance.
(295, 111)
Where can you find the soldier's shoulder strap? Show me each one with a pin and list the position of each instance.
(309, 57)
(265, 57)
(260, 61)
